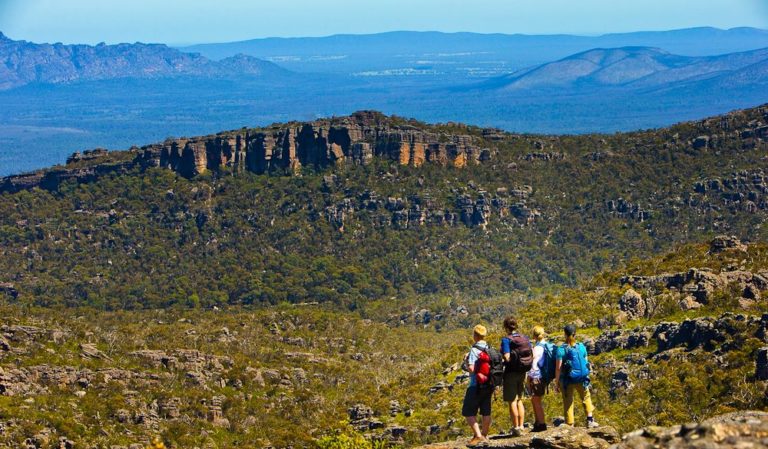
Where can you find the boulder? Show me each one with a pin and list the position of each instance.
(622, 339)
(361, 417)
(620, 382)
(689, 303)
(761, 364)
(395, 433)
(394, 408)
(724, 243)
(90, 351)
(700, 142)
(566, 437)
(735, 430)
(9, 290)
(705, 332)
(633, 304)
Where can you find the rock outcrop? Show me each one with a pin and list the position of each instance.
(747, 429)
(622, 339)
(52, 179)
(761, 364)
(353, 140)
(739, 429)
(702, 283)
(633, 304)
(706, 332)
(746, 190)
(725, 243)
(562, 437)
(8, 289)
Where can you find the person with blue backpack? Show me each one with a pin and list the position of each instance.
(572, 376)
(541, 374)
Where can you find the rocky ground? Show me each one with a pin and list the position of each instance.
(744, 430)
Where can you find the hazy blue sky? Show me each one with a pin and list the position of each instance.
(194, 21)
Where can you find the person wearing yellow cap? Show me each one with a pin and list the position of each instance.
(478, 396)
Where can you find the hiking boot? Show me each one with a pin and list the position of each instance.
(539, 427)
(516, 432)
(592, 424)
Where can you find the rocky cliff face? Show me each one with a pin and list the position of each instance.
(353, 140)
(52, 179)
(349, 140)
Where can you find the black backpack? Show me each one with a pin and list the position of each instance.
(497, 365)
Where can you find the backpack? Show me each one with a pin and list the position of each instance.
(547, 362)
(520, 353)
(575, 361)
(490, 367)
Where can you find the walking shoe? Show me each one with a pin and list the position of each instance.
(592, 424)
(539, 427)
(515, 432)
(476, 441)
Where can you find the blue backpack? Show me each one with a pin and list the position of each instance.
(575, 361)
(547, 362)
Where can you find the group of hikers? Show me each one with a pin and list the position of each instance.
(518, 364)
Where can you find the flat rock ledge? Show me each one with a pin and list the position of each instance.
(742, 430)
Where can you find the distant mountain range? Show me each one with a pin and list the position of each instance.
(470, 54)
(636, 67)
(56, 99)
(24, 62)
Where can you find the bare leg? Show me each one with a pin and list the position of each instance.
(486, 425)
(513, 412)
(538, 409)
(520, 413)
(472, 421)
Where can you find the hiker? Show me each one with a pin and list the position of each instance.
(518, 357)
(572, 375)
(541, 374)
(480, 390)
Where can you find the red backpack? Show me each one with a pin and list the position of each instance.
(483, 368)
(489, 367)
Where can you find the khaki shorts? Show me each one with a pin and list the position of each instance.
(537, 387)
(514, 386)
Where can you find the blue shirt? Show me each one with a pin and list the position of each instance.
(506, 344)
(474, 354)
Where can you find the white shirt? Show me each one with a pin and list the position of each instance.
(538, 353)
(474, 354)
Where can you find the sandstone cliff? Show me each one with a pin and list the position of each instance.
(355, 140)
(349, 140)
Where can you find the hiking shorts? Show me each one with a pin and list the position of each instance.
(537, 387)
(477, 398)
(514, 386)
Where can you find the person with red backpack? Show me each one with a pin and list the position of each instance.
(480, 390)
(518, 357)
(572, 376)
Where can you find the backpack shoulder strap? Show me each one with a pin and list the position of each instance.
(480, 348)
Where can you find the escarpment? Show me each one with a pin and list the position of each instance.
(352, 140)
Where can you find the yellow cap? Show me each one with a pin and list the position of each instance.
(480, 330)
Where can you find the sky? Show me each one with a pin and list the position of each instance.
(180, 22)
